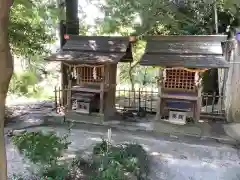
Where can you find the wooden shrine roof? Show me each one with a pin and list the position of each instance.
(185, 51)
(94, 49)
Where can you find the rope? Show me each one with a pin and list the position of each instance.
(95, 73)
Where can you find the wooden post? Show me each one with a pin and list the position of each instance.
(59, 97)
(151, 97)
(55, 93)
(102, 86)
(62, 82)
(113, 84)
(139, 98)
(78, 71)
(198, 104)
(102, 98)
(159, 83)
(110, 94)
(69, 90)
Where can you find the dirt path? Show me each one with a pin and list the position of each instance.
(171, 160)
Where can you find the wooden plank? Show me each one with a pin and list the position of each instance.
(185, 97)
(87, 90)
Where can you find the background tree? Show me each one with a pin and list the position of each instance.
(27, 31)
(164, 17)
(32, 27)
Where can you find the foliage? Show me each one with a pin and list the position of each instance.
(32, 28)
(164, 17)
(134, 73)
(109, 162)
(100, 147)
(20, 83)
(44, 150)
(167, 17)
(114, 162)
(29, 29)
(17, 177)
(41, 148)
(55, 172)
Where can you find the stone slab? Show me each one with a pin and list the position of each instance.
(77, 117)
(164, 127)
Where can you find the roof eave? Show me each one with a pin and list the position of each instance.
(186, 66)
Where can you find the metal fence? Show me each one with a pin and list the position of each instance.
(136, 99)
(146, 99)
(212, 104)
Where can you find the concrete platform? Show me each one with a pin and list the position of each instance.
(215, 131)
(233, 130)
(43, 114)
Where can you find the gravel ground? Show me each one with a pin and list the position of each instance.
(170, 159)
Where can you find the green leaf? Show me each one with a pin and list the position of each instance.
(32, 27)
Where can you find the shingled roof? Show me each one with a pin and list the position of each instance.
(185, 51)
(94, 49)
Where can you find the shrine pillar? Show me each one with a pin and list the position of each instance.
(159, 85)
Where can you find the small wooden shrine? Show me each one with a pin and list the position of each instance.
(89, 66)
(182, 59)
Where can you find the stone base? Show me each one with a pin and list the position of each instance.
(58, 119)
(80, 117)
(174, 121)
(166, 127)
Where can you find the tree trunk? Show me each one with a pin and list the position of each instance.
(6, 70)
(130, 73)
(72, 17)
